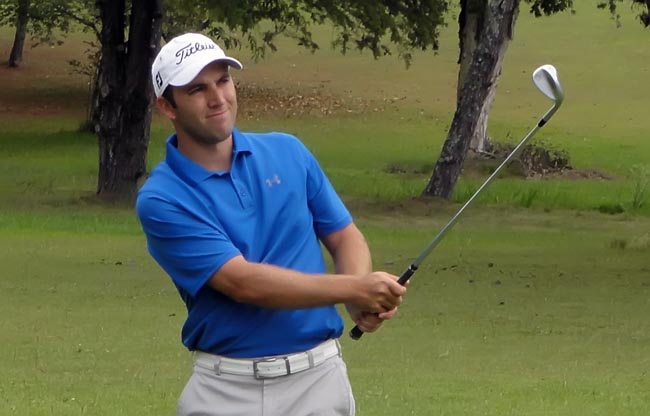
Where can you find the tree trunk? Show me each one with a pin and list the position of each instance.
(476, 95)
(124, 94)
(16, 55)
(470, 23)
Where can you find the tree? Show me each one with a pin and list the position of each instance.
(471, 20)
(124, 92)
(38, 18)
(123, 107)
(475, 94)
(22, 16)
(473, 17)
(469, 125)
(121, 99)
(478, 47)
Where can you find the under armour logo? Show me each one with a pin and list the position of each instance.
(273, 181)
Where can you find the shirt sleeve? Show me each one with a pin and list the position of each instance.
(188, 246)
(329, 212)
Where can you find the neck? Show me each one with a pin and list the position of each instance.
(212, 157)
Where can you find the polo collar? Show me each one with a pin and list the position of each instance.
(193, 173)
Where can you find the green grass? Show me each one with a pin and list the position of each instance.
(535, 304)
(543, 317)
(513, 314)
(92, 319)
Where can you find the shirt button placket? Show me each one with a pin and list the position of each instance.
(244, 197)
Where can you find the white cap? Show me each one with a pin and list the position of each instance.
(183, 57)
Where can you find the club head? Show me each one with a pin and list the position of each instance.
(545, 78)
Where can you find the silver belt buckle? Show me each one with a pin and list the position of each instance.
(259, 376)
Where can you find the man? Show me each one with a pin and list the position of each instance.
(236, 219)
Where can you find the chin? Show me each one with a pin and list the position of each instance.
(219, 138)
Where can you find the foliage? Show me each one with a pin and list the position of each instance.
(48, 19)
(408, 25)
(548, 7)
(644, 15)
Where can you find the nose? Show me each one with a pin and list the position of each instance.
(215, 95)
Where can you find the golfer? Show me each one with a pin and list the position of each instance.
(236, 219)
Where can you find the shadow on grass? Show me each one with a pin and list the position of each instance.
(26, 143)
(420, 206)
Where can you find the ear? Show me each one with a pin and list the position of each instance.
(166, 108)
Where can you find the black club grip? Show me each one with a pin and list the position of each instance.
(356, 333)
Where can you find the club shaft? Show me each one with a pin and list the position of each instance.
(356, 333)
(416, 263)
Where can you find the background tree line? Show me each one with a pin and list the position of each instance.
(128, 34)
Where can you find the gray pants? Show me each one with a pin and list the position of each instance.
(323, 390)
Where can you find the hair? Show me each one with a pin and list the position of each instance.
(168, 95)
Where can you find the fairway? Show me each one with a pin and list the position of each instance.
(531, 314)
(537, 302)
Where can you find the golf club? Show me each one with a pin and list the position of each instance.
(546, 79)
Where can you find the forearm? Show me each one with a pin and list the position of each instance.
(349, 251)
(353, 258)
(275, 287)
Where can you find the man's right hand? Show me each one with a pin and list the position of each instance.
(377, 292)
(371, 320)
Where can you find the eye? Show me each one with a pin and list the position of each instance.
(224, 79)
(194, 89)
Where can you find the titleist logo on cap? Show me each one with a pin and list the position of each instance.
(191, 49)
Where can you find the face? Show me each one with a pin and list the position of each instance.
(206, 108)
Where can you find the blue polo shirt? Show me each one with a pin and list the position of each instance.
(271, 207)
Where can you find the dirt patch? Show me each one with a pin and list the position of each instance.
(30, 92)
(27, 94)
(536, 160)
(257, 100)
(577, 174)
